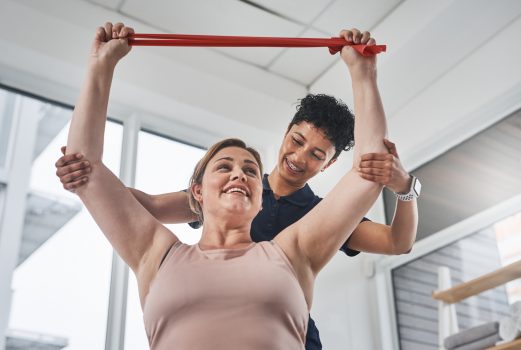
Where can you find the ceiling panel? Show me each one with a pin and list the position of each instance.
(304, 11)
(438, 48)
(304, 65)
(483, 87)
(225, 17)
(417, 14)
(347, 14)
(112, 4)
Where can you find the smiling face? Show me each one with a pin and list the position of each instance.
(304, 152)
(231, 187)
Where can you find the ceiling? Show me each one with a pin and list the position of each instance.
(451, 69)
(260, 18)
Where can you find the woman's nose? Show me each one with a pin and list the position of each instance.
(238, 174)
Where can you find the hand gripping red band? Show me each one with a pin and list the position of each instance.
(334, 44)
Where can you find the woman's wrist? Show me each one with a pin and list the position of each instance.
(363, 73)
(102, 64)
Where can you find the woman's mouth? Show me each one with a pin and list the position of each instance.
(237, 189)
(292, 167)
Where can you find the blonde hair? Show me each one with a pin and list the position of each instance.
(200, 168)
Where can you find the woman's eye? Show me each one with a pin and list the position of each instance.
(298, 142)
(251, 171)
(223, 167)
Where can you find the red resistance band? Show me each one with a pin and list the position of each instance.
(334, 44)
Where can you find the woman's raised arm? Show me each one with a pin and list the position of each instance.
(311, 242)
(137, 237)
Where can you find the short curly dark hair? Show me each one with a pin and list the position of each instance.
(331, 115)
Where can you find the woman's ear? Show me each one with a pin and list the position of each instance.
(197, 192)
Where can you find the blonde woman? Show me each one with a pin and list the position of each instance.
(225, 292)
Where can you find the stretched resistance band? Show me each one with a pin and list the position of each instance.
(334, 44)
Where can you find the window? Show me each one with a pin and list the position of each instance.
(480, 253)
(61, 283)
(508, 235)
(6, 121)
(163, 165)
(2, 198)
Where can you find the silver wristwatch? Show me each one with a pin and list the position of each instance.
(414, 190)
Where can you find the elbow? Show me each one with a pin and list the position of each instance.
(405, 250)
(401, 248)
(403, 239)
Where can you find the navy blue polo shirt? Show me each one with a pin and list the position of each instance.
(276, 215)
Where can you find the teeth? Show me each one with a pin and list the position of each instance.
(236, 189)
(292, 167)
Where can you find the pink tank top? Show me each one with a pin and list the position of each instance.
(229, 299)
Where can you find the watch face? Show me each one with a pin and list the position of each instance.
(417, 187)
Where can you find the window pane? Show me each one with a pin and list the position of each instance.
(508, 235)
(473, 256)
(6, 121)
(163, 165)
(2, 198)
(61, 283)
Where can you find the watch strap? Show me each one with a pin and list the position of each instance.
(409, 196)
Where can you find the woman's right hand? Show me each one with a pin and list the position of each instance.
(111, 43)
(357, 63)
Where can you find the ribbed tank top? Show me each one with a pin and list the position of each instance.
(229, 299)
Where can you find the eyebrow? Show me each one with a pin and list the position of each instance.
(316, 148)
(230, 159)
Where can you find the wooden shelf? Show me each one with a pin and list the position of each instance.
(480, 284)
(513, 345)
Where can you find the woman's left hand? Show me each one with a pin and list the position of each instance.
(350, 56)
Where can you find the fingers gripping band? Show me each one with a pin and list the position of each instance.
(334, 44)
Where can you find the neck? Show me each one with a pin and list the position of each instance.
(223, 235)
(280, 186)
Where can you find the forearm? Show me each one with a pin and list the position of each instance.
(89, 117)
(404, 226)
(168, 208)
(353, 196)
(145, 199)
(370, 123)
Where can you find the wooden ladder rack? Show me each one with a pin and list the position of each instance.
(481, 284)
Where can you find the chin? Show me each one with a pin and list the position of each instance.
(239, 210)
